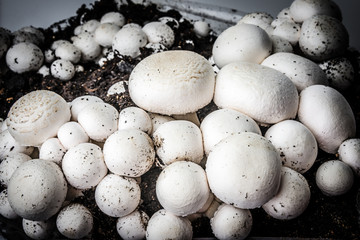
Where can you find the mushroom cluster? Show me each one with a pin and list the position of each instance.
(268, 113)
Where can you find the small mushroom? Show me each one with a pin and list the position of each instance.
(52, 150)
(9, 164)
(328, 115)
(349, 153)
(132, 226)
(75, 221)
(62, 69)
(5, 208)
(260, 19)
(117, 196)
(68, 51)
(287, 29)
(182, 188)
(135, 118)
(38, 229)
(71, 134)
(281, 45)
(230, 222)
(37, 116)
(334, 178)
(242, 42)
(79, 103)
(24, 57)
(84, 166)
(105, 33)
(178, 140)
(292, 198)
(90, 26)
(115, 18)
(89, 48)
(158, 32)
(37, 189)
(129, 40)
(201, 28)
(164, 225)
(129, 152)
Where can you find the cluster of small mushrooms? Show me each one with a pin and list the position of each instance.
(221, 167)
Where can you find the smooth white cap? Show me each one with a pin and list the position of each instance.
(39, 229)
(135, 118)
(52, 150)
(129, 40)
(89, 48)
(158, 32)
(260, 19)
(62, 69)
(132, 226)
(68, 51)
(104, 34)
(71, 134)
(349, 153)
(79, 103)
(113, 17)
(24, 57)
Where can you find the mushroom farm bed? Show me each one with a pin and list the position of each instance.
(274, 107)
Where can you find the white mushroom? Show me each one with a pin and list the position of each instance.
(9, 164)
(349, 153)
(79, 103)
(5, 208)
(68, 51)
(62, 69)
(49, 55)
(201, 28)
(84, 166)
(178, 140)
(260, 19)
(117, 196)
(24, 57)
(244, 170)
(44, 71)
(89, 48)
(99, 120)
(132, 226)
(9, 145)
(281, 45)
(328, 115)
(71, 134)
(105, 33)
(37, 189)
(230, 222)
(222, 123)
(243, 42)
(182, 189)
(287, 29)
(301, 71)
(262, 93)
(129, 40)
(157, 120)
(134, 117)
(129, 152)
(115, 18)
(90, 26)
(158, 32)
(38, 229)
(165, 225)
(52, 150)
(75, 221)
(292, 198)
(172, 82)
(334, 178)
(296, 144)
(323, 37)
(37, 116)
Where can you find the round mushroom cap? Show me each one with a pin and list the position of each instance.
(113, 17)
(300, 10)
(128, 41)
(38, 229)
(84, 166)
(244, 170)
(89, 48)
(260, 19)
(129, 152)
(132, 226)
(201, 28)
(292, 198)
(328, 115)
(159, 32)
(165, 225)
(334, 178)
(296, 144)
(349, 153)
(242, 42)
(37, 189)
(287, 30)
(172, 82)
(90, 26)
(24, 57)
(105, 33)
(75, 221)
(68, 51)
(9, 164)
(182, 188)
(230, 222)
(135, 118)
(79, 103)
(5, 208)
(62, 69)
(262, 93)
(52, 150)
(117, 196)
(281, 45)
(323, 37)
(225, 122)
(301, 71)
(178, 140)
(37, 116)
(71, 134)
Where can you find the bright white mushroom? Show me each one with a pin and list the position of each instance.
(79, 103)
(89, 48)
(5, 208)
(132, 226)
(105, 33)
(113, 17)
(136, 118)
(38, 229)
(158, 32)
(287, 29)
(71, 134)
(260, 19)
(90, 26)
(349, 153)
(201, 28)
(62, 69)
(281, 45)
(52, 150)
(157, 120)
(68, 51)
(292, 198)
(9, 164)
(24, 57)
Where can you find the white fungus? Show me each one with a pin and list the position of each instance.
(260, 19)
(9, 164)
(52, 150)
(71, 134)
(24, 57)
(158, 32)
(134, 117)
(9, 145)
(115, 18)
(281, 45)
(68, 51)
(90, 26)
(105, 33)
(38, 229)
(62, 69)
(129, 40)
(79, 103)
(201, 28)
(89, 48)
(287, 30)
(157, 120)
(349, 153)
(132, 226)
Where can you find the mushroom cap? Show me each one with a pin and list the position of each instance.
(287, 29)
(90, 26)
(260, 19)
(292, 198)
(115, 18)
(230, 222)
(159, 32)
(157, 120)
(164, 225)
(172, 82)
(5, 208)
(84, 166)
(301, 71)
(75, 221)
(242, 42)
(201, 28)
(117, 196)
(334, 178)
(37, 189)
(281, 45)
(9, 145)
(135, 118)
(244, 170)
(349, 153)
(79, 103)
(178, 140)
(9, 164)
(68, 51)
(129, 152)
(296, 144)
(38, 229)
(182, 188)
(128, 40)
(52, 150)
(105, 33)
(262, 93)
(62, 69)
(323, 37)
(89, 48)
(37, 116)
(24, 57)
(328, 115)
(132, 226)
(225, 122)
(71, 134)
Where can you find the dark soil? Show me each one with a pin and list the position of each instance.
(326, 217)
